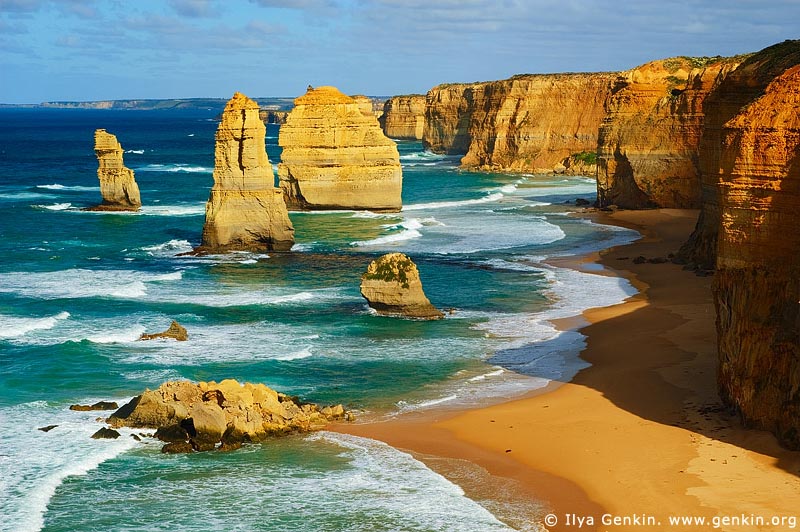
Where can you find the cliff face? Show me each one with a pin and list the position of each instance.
(757, 284)
(404, 117)
(648, 147)
(336, 157)
(244, 211)
(117, 184)
(739, 88)
(526, 123)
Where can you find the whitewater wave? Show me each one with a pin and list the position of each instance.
(169, 249)
(179, 167)
(57, 186)
(55, 207)
(405, 230)
(34, 464)
(15, 327)
(298, 355)
(137, 152)
(497, 196)
(81, 283)
(196, 209)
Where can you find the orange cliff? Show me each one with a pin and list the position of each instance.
(531, 123)
(648, 145)
(404, 117)
(757, 283)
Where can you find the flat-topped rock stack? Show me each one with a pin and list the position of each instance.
(117, 184)
(335, 156)
(245, 211)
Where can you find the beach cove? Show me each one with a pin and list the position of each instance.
(639, 436)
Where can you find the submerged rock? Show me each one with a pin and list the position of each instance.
(176, 331)
(117, 184)
(391, 285)
(245, 211)
(335, 156)
(210, 415)
(101, 405)
(106, 434)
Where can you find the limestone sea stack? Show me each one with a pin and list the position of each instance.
(245, 211)
(176, 331)
(391, 285)
(335, 156)
(117, 184)
(209, 415)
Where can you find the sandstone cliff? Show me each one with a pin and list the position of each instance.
(757, 284)
(117, 184)
(648, 146)
(210, 415)
(245, 210)
(336, 157)
(404, 117)
(391, 285)
(528, 123)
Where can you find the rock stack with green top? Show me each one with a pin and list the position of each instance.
(392, 287)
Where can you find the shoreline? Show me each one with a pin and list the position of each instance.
(640, 432)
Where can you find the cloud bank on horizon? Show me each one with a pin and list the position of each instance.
(112, 49)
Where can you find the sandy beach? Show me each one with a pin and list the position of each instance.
(636, 439)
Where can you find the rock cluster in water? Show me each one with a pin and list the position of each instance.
(176, 331)
(245, 211)
(117, 184)
(335, 156)
(391, 285)
(208, 415)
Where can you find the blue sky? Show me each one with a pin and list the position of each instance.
(115, 49)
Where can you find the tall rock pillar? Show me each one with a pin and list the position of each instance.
(245, 211)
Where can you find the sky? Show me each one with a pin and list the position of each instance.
(83, 50)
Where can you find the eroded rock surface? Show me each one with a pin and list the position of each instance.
(117, 184)
(210, 415)
(335, 156)
(245, 211)
(391, 285)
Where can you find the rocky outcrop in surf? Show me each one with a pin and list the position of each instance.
(245, 211)
(530, 123)
(649, 141)
(391, 285)
(117, 184)
(757, 212)
(335, 156)
(176, 331)
(404, 117)
(208, 415)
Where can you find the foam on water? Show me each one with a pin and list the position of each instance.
(81, 283)
(405, 230)
(175, 168)
(196, 209)
(137, 152)
(34, 463)
(14, 327)
(496, 196)
(55, 206)
(57, 186)
(169, 249)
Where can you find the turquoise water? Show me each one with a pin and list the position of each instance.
(78, 288)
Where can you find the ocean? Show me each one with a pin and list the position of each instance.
(77, 289)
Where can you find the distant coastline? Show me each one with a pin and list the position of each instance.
(266, 103)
